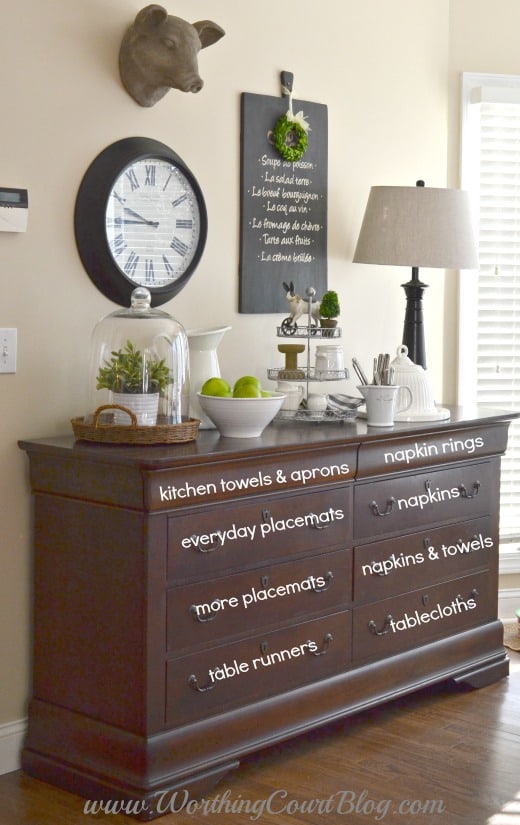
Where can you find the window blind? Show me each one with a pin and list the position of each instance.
(498, 286)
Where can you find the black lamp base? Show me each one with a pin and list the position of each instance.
(413, 330)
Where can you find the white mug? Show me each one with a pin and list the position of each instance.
(381, 402)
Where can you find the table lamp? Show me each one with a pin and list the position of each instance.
(417, 226)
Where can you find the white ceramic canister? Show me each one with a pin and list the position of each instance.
(330, 358)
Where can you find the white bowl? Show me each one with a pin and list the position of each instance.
(241, 417)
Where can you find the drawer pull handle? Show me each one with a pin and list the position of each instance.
(210, 549)
(327, 641)
(464, 492)
(386, 627)
(328, 581)
(317, 526)
(473, 593)
(374, 506)
(193, 683)
(206, 617)
(375, 572)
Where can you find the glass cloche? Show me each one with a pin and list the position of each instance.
(139, 361)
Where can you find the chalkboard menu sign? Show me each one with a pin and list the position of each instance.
(283, 206)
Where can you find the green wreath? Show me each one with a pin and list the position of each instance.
(290, 139)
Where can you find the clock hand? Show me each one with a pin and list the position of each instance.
(140, 217)
(119, 221)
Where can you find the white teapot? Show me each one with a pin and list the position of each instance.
(408, 374)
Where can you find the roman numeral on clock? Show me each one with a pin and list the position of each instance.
(150, 175)
(179, 246)
(168, 267)
(131, 263)
(150, 272)
(184, 223)
(118, 244)
(179, 200)
(132, 177)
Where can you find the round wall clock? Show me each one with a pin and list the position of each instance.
(140, 220)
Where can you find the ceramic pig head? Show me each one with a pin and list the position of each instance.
(159, 52)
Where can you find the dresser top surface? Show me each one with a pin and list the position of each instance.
(279, 436)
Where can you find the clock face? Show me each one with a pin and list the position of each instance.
(153, 222)
(139, 220)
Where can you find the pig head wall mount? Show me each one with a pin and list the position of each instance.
(159, 52)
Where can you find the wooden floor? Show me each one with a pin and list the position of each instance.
(446, 755)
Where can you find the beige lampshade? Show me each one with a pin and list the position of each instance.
(417, 226)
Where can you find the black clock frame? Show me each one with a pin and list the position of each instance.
(89, 218)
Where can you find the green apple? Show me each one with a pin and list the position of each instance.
(247, 391)
(216, 386)
(247, 380)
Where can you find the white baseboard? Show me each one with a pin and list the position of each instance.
(508, 602)
(11, 740)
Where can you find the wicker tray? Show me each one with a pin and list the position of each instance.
(102, 429)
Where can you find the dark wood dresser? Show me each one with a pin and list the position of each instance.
(197, 602)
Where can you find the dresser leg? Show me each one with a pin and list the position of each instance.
(485, 675)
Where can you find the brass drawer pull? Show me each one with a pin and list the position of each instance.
(327, 641)
(386, 627)
(464, 492)
(206, 617)
(374, 506)
(328, 581)
(193, 683)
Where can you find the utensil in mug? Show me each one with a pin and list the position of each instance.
(380, 402)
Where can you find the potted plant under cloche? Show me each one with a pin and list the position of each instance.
(136, 380)
(329, 310)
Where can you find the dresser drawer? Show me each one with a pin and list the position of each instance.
(226, 537)
(237, 605)
(231, 675)
(406, 622)
(401, 452)
(416, 501)
(386, 568)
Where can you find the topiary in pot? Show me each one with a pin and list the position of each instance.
(128, 374)
(329, 309)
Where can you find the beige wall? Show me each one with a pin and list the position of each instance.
(381, 66)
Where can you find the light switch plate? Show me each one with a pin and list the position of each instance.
(8, 341)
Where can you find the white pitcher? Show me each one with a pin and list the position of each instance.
(202, 345)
